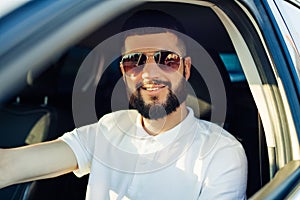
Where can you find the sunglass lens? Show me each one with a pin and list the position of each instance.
(169, 61)
(157, 57)
(132, 63)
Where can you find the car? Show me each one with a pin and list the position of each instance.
(59, 69)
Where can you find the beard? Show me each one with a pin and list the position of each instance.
(155, 110)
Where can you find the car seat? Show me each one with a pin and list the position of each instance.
(22, 125)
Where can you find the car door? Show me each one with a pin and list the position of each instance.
(285, 184)
(274, 48)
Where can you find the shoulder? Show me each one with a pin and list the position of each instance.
(213, 138)
(130, 113)
(216, 132)
(122, 118)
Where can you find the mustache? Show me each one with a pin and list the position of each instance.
(155, 81)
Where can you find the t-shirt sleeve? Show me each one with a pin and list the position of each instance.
(226, 177)
(81, 143)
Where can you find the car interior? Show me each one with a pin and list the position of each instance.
(42, 110)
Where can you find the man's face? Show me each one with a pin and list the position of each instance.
(157, 84)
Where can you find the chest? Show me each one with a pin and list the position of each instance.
(176, 181)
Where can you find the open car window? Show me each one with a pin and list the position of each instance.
(258, 103)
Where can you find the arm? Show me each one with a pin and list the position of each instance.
(39, 161)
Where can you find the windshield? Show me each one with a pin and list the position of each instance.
(8, 6)
(290, 11)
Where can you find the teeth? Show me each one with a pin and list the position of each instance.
(152, 89)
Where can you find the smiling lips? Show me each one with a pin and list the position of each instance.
(152, 87)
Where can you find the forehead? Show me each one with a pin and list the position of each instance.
(146, 42)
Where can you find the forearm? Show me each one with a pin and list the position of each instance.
(6, 170)
(35, 162)
(2, 169)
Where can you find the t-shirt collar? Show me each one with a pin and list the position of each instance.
(167, 137)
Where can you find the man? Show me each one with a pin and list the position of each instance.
(158, 151)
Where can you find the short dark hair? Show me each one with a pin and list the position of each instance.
(152, 18)
(151, 22)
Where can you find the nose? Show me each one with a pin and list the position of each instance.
(151, 69)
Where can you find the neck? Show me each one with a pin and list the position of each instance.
(155, 127)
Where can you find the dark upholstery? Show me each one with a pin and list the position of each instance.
(23, 125)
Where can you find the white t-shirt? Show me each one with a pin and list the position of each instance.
(194, 160)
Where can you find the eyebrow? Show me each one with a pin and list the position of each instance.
(149, 50)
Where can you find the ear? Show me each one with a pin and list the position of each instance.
(122, 69)
(187, 67)
(123, 72)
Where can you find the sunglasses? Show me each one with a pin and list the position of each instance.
(133, 63)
